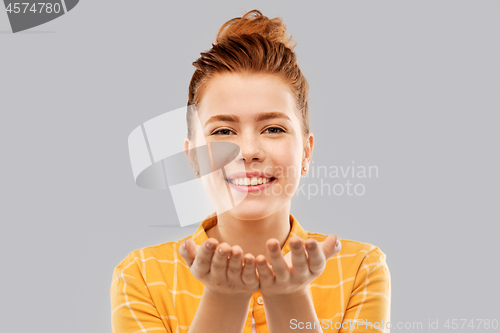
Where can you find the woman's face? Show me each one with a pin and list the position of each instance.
(258, 113)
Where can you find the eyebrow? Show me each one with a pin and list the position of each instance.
(258, 117)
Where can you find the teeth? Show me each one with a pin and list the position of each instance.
(250, 181)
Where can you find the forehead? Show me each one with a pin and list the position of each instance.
(245, 95)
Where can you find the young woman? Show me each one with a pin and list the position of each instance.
(252, 267)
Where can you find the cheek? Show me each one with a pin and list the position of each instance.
(217, 190)
(288, 159)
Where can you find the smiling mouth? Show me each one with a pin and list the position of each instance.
(255, 181)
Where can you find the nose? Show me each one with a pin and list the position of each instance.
(251, 149)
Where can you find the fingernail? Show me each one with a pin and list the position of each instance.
(296, 245)
(311, 246)
(221, 252)
(184, 246)
(273, 247)
(248, 261)
(261, 263)
(210, 246)
(338, 247)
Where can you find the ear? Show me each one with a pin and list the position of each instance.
(190, 152)
(308, 151)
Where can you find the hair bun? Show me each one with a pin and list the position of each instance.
(255, 22)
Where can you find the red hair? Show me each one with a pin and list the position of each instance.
(252, 44)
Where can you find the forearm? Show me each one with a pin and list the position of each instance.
(291, 312)
(220, 313)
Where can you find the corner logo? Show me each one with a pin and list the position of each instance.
(25, 15)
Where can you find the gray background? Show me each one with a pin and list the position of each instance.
(411, 87)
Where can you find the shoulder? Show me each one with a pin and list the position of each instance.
(363, 250)
(138, 260)
(350, 246)
(355, 253)
(357, 264)
(365, 263)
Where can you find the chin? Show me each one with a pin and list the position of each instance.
(251, 211)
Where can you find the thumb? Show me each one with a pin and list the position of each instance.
(330, 246)
(188, 250)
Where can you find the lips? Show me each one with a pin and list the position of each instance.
(246, 186)
(250, 181)
(250, 175)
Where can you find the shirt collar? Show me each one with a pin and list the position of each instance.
(210, 221)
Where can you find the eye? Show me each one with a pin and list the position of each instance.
(222, 130)
(275, 130)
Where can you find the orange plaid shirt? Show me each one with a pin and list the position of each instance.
(153, 289)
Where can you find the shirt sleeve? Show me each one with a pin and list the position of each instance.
(369, 306)
(132, 308)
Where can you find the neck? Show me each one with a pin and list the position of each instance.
(252, 235)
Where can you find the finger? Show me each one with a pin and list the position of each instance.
(188, 251)
(328, 246)
(317, 261)
(235, 263)
(202, 261)
(279, 266)
(300, 265)
(266, 276)
(249, 275)
(219, 262)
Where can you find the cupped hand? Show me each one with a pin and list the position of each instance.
(293, 272)
(220, 266)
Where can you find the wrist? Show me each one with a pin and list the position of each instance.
(226, 297)
(300, 293)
